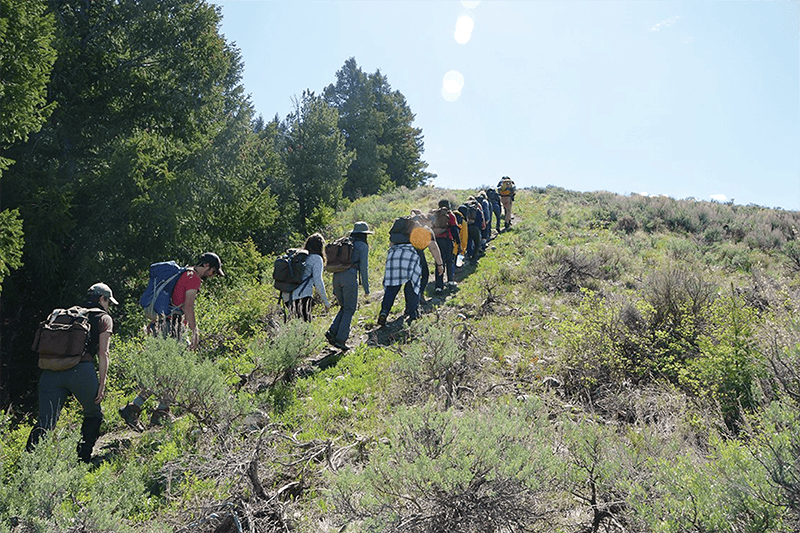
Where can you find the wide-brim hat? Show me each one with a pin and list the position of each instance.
(361, 227)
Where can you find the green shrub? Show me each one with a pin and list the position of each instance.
(278, 357)
(180, 377)
(449, 471)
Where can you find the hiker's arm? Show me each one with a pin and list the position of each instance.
(191, 322)
(437, 256)
(319, 283)
(363, 267)
(102, 364)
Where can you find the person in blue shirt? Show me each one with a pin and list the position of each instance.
(345, 287)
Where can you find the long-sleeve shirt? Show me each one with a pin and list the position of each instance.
(312, 270)
(402, 265)
(359, 257)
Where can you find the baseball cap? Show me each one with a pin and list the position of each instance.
(102, 289)
(212, 259)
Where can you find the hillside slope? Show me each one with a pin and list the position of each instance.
(611, 364)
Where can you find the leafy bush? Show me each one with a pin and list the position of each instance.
(448, 471)
(174, 374)
(277, 358)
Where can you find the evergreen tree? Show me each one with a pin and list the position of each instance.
(377, 125)
(26, 60)
(316, 160)
(149, 154)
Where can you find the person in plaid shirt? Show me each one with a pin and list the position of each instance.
(402, 268)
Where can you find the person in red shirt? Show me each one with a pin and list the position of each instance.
(183, 297)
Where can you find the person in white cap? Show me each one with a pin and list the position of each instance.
(82, 381)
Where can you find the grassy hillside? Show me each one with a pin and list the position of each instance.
(612, 364)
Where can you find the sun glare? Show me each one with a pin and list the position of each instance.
(464, 27)
(452, 84)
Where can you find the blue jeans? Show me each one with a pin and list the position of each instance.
(345, 289)
(55, 386)
(412, 299)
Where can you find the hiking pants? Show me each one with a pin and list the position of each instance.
(426, 273)
(474, 244)
(345, 289)
(497, 210)
(412, 299)
(506, 201)
(446, 247)
(55, 386)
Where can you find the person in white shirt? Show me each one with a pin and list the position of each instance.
(301, 300)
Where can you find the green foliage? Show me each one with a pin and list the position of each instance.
(278, 357)
(432, 362)
(174, 374)
(27, 55)
(316, 159)
(51, 491)
(449, 471)
(11, 243)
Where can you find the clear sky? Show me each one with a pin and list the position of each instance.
(688, 99)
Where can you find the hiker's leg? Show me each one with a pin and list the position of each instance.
(53, 393)
(389, 294)
(349, 301)
(423, 262)
(306, 308)
(90, 432)
(83, 384)
(412, 301)
(446, 248)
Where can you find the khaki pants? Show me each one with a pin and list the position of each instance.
(506, 201)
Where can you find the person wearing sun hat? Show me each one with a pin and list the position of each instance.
(81, 380)
(345, 286)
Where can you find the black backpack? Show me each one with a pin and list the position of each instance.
(401, 230)
(287, 272)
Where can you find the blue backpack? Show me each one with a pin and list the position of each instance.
(157, 297)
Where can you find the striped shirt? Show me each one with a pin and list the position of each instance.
(402, 265)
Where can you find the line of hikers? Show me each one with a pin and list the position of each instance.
(453, 237)
(69, 340)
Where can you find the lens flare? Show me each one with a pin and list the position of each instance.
(464, 27)
(452, 84)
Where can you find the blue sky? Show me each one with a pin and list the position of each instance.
(687, 99)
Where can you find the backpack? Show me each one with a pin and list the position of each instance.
(440, 220)
(400, 233)
(287, 272)
(62, 339)
(469, 211)
(506, 187)
(339, 253)
(157, 297)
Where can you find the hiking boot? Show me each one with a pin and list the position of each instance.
(452, 284)
(159, 417)
(438, 290)
(130, 414)
(330, 338)
(381, 319)
(341, 345)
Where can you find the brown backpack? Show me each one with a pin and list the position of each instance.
(62, 339)
(440, 220)
(401, 230)
(339, 253)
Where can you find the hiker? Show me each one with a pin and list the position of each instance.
(475, 225)
(183, 298)
(507, 190)
(300, 299)
(423, 238)
(402, 270)
(494, 202)
(446, 235)
(483, 200)
(345, 286)
(81, 380)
